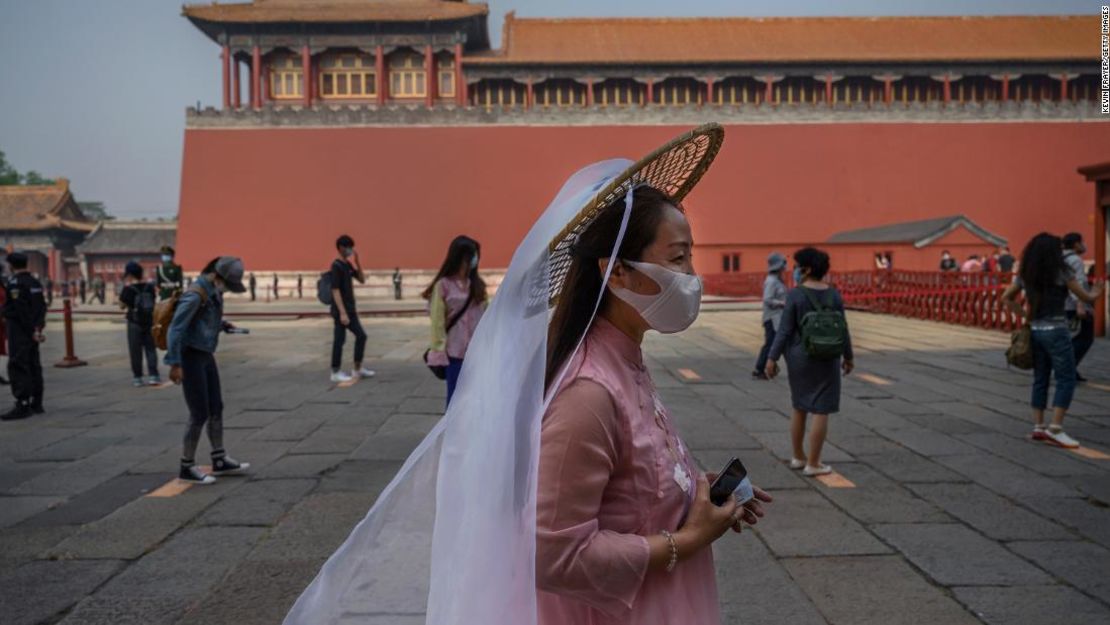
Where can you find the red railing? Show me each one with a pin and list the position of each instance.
(970, 299)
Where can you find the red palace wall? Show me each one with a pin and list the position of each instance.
(279, 197)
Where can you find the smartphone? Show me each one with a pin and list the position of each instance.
(732, 479)
(238, 331)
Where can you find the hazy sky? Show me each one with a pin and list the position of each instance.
(96, 90)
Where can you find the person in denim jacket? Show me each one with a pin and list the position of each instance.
(191, 342)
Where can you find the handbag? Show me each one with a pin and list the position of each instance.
(439, 370)
(1020, 352)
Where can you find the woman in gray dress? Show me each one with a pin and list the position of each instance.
(814, 383)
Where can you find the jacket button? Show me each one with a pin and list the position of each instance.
(660, 494)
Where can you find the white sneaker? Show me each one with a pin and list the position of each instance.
(364, 373)
(823, 469)
(1058, 437)
(341, 376)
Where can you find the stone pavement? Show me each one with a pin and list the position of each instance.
(943, 512)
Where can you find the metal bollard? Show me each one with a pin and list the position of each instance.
(70, 360)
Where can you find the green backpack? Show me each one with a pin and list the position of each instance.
(823, 331)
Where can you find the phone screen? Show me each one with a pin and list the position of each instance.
(727, 481)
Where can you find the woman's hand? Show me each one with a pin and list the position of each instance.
(706, 522)
(847, 366)
(752, 510)
(772, 369)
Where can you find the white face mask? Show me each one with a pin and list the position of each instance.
(675, 307)
(166, 258)
(474, 262)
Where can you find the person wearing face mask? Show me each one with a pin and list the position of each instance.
(624, 522)
(456, 299)
(774, 299)
(170, 278)
(814, 380)
(344, 271)
(947, 263)
(1081, 318)
(191, 344)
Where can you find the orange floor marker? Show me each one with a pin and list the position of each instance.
(175, 487)
(348, 383)
(689, 374)
(835, 480)
(873, 379)
(1091, 453)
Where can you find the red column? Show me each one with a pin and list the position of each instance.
(888, 91)
(828, 90)
(589, 93)
(1005, 87)
(256, 78)
(236, 89)
(430, 73)
(379, 69)
(306, 76)
(947, 89)
(650, 96)
(225, 56)
(1063, 87)
(529, 96)
(460, 80)
(768, 94)
(709, 91)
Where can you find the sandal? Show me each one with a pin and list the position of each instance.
(797, 464)
(823, 469)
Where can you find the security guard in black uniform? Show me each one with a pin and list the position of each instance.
(25, 312)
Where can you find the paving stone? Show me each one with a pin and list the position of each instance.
(788, 528)
(754, 588)
(359, 476)
(867, 444)
(15, 509)
(1032, 605)
(258, 502)
(12, 474)
(1038, 457)
(1081, 564)
(305, 465)
(954, 555)
(1088, 519)
(874, 590)
(98, 502)
(255, 593)
(1006, 478)
(127, 611)
(315, 527)
(750, 420)
(423, 405)
(908, 467)
(1094, 486)
(397, 437)
(876, 499)
(37, 591)
(333, 440)
(994, 516)
(779, 444)
(288, 429)
(927, 442)
(73, 448)
(22, 543)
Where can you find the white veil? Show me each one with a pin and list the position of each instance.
(452, 539)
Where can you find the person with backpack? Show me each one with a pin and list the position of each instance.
(1045, 278)
(138, 299)
(338, 289)
(457, 298)
(25, 318)
(814, 337)
(191, 344)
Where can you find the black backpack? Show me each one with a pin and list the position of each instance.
(323, 288)
(144, 305)
(823, 331)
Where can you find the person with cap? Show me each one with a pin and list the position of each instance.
(25, 317)
(170, 277)
(774, 300)
(190, 347)
(138, 298)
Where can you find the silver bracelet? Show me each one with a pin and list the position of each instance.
(674, 550)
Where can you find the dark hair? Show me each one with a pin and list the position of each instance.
(344, 241)
(1042, 265)
(813, 259)
(946, 252)
(583, 280)
(1071, 239)
(211, 266)
(133, 269)
(17, 261)
(459, 253)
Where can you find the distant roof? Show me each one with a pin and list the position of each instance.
(41, 207)
(270, 11)
(919, 233)
(795, 39)
(129, 237)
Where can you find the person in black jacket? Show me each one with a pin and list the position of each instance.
(25, 314)
(138, 298)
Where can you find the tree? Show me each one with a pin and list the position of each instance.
(35, 178)
(9, 175)
(95, 211)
